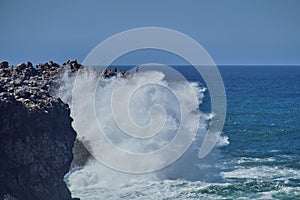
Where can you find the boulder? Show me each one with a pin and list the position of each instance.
(4, 64)
(21, 66)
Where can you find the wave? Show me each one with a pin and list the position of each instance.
(183, 189)
(152, 100)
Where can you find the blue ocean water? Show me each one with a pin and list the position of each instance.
(263, 112)
(262, 158)
(262, 123)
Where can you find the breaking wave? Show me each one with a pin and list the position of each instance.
(157, 106)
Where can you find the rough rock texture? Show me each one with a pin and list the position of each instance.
(36, 136)
(80, 154)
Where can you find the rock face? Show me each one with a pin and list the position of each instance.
(36, 136)
(80, 154)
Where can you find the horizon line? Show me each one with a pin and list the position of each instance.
(173, 64)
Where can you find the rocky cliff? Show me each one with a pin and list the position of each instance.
(36, 136)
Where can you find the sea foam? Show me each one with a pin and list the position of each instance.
(151, 101)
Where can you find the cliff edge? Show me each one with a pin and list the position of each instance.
(36, 136)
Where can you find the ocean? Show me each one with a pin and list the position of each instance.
(257, 157)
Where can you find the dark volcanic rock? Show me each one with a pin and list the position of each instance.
(36, 136)
(74, 66)
(80, 153)
(4, 64)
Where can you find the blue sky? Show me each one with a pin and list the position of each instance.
(232, 31)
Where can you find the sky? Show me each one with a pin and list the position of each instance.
(235, 32)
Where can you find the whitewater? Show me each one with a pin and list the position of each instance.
(241, 166)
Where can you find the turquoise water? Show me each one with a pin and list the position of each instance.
(259, 157)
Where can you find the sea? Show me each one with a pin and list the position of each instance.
(257, 157)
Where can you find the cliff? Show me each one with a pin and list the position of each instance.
(36, 136)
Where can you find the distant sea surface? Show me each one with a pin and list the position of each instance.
(262, 158)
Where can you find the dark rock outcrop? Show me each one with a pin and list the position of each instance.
(80, 154)
(74, 66)
(36, 136)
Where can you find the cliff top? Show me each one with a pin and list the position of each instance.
(31, 85)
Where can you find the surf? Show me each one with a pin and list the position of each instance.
(152, 100)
